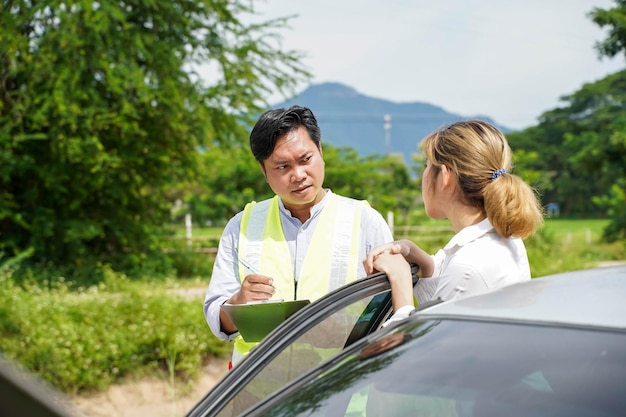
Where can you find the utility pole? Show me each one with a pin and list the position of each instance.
(387, 125)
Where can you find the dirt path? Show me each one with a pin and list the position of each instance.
(148, 397)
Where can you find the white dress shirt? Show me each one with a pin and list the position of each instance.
(475, 260)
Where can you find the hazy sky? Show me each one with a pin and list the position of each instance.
(507, 59)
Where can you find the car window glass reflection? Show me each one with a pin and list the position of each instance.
(471, 369)
(322, 341)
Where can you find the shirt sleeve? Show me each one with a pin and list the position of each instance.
(376, 231)
(425, 289)
(402, 313)
(224, 278)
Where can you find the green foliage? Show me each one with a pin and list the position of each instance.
(582, 148)
(101, 114)
(89, 339)
(583, 144)
(191, 264)
(384, 181)
(230, 177)
(191, 259)
(614, 21)
(567, 245)
(614, 203)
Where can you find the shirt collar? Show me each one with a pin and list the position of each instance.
(315, 210)
(469, 234)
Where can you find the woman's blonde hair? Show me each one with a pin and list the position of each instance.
(480, 157)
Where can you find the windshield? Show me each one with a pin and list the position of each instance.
(472, 369)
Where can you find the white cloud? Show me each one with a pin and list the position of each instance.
(507, 59)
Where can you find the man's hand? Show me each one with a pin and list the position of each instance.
(255, 287)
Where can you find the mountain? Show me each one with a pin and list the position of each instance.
(348, 118)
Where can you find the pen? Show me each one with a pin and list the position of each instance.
(247, 265)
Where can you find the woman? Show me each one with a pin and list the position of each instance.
(468, 181)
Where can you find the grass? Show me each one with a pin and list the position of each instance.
(566, 245)
(579, 229)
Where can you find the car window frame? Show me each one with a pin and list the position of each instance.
(23, 393)
(290, 330)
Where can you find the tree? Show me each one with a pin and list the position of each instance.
(578, 147)
(230, 178)
(582, 145)
(382, 180)
(614, 20)
(613, 144)
(102, 111)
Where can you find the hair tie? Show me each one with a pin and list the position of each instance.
(497, 173)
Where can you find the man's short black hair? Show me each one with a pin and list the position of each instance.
(273, 124)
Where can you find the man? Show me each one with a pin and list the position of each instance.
(304, 242)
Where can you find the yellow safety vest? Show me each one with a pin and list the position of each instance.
(332, 258)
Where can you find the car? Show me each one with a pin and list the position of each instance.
(551, 346)
(24, 394)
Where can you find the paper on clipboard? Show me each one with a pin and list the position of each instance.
(256, 320)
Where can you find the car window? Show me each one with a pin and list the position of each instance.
(325, 339)
(302, 342)
(457, 368)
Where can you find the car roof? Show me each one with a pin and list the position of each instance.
(590, 298)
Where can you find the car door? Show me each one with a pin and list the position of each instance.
(312, 335)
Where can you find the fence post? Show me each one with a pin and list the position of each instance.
(390, 221)
(188, 229)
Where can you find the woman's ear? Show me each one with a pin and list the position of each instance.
(447, 177)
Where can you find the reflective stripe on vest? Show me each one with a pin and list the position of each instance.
(331, 261)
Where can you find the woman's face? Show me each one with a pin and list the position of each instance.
(431, 188)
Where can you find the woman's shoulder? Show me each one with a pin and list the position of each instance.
(488, 251)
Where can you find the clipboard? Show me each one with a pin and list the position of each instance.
(256, 320)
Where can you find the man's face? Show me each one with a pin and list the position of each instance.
(295, 170)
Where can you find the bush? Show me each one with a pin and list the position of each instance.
(93, 337)
(194, 261)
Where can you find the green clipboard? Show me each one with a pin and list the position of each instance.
(257, 319)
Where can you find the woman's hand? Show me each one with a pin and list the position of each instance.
(398, 247)
(394, 265)
(398, 272)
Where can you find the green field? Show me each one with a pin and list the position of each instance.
(588, 230)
